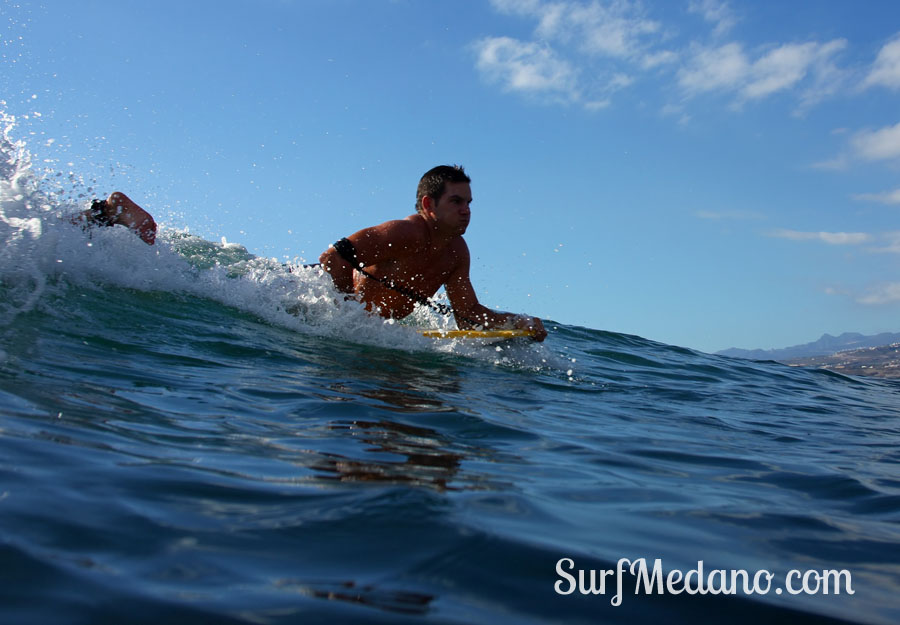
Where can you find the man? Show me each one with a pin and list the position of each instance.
(392, 266)
(118, 209)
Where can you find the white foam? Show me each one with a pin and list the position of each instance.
(42, 250)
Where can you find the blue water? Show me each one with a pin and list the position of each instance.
(189, 434)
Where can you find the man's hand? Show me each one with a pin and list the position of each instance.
(532, 324)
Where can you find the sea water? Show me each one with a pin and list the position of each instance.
(190, 434)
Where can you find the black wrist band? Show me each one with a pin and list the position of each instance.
(347, 251)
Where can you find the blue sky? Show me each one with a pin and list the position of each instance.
(703, 173)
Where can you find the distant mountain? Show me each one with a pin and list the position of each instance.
(878, 362)
(825, 346)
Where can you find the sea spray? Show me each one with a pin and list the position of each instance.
(46, 251)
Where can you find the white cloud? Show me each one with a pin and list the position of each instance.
(728, 214)
(883, 294)
(617, 30)
(597, 105)
(728, 68)
(614, 29)
(580, 47)
(870, 145)
(525, 66)
(886, 70)
(839, 163)
(787, 65)
(572, 41)
(892, 243)
(883, 144)
(619, 81)
(715, 68)
(656, 59)
(676, 110)
(779, 69)
(517, 7)
(889, 197)
(832, 238)
(827, 78)
(715, 12)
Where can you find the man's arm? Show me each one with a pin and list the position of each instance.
(470, 312)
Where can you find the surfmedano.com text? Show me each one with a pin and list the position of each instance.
(696, 581)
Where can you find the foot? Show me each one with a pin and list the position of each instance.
(119, 209)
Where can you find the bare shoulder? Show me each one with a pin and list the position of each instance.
(410, 233)
(413, 226)
(460, 249)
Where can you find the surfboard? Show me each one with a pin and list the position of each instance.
(476, 334)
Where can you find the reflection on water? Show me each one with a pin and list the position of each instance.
(398, 601)
(421, 456)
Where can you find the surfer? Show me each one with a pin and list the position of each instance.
(118, 209)
(392, 266)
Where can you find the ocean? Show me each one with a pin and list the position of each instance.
(191, 434)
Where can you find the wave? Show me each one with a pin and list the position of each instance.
(44, 255)
(256, 446)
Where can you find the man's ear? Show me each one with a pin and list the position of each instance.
(428, 204)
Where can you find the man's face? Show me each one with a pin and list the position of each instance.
(452, 210)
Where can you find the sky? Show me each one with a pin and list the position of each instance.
(702, 173)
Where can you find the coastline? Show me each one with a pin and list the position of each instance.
(879, 362)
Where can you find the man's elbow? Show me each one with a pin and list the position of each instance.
(328, 259)
(340, 271)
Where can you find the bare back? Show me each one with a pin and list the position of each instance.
(408, 256)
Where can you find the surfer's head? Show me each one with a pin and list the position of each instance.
(434, 182)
